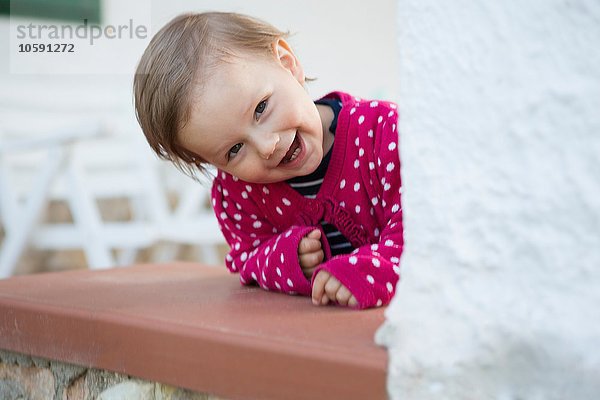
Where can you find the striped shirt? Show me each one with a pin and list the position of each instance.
(309, 185)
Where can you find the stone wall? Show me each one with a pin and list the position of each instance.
(30, 378)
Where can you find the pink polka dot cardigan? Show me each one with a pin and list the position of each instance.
(360, 195)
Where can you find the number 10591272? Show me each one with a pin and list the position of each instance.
(46, 48)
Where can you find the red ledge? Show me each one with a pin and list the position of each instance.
(195, 327)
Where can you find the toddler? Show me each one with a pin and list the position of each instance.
(307, 193)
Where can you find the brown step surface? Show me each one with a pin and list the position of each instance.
(195, 327)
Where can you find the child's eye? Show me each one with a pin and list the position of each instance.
(234, 150)
(260, 108)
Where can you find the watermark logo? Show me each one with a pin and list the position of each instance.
(93, 32)
(50, 47)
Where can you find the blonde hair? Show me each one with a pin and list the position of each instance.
(178, 57)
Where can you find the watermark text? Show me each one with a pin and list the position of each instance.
(91, 32)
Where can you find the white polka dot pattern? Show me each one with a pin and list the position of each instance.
(264, 223)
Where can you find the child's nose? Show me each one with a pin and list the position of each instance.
(268, 145)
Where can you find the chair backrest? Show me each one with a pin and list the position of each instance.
(103, 157)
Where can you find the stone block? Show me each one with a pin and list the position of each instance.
(30, 383)
(129, 390)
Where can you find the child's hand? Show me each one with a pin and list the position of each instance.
(326, 287)
(310, 253)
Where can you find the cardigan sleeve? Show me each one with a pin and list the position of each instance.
(258, 251)
(371, 271)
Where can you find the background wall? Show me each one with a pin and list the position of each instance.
(346, 45)
(500, 140)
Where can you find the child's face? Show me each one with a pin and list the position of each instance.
(254, 119)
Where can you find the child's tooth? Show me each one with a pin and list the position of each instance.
(295, 154)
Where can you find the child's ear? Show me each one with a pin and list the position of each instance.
(287, 58)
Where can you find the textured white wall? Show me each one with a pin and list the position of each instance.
(500, 140)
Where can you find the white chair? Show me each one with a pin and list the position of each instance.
(192, 221)
(82, 165)
(19, 216)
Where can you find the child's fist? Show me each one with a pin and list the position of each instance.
(310, 253)
(327, 288)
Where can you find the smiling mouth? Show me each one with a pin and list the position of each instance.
(293, 151)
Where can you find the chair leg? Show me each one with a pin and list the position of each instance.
(88, 220)
(17, 236)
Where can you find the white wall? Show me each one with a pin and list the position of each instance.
(346, 45)
(500, 140)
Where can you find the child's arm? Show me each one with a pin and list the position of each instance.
(258, 251)
(371, 272)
